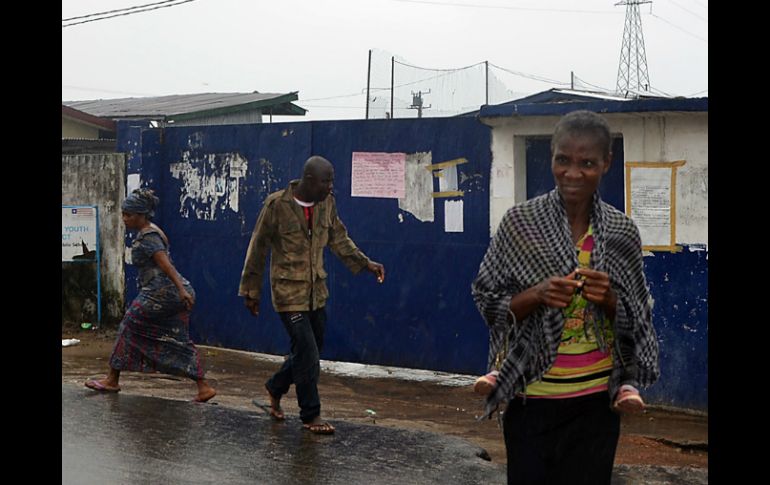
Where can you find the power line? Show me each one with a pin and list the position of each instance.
(701, 4)
(373, 89)
(689, 11)
(530, 76)
(85, 88)
(447, 73)
(117, 10)
(583, 81)
(126, 13)
(439, 70)
(387, 88)
(361, 108)
(500, 7)
(416, 82)
(334, 97)
(699, 92)
(679, 28)
(333, 107)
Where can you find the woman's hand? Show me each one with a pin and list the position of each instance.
(557, 291)
(187, 298)
(597, 289)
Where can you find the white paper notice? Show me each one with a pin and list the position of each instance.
(651, 204)
(453, 216)
(132, 183)
(418, 200)
(447, 182)
(378, 175)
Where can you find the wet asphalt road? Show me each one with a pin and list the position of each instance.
(123, 439)
(114, 438)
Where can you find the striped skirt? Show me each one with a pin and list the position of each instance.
(154, 336)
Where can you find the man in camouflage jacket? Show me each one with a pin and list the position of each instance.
(295, 225)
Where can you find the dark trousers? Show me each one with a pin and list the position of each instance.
(302, 367)
(561, 441)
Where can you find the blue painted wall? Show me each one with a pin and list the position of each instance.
(422, 316)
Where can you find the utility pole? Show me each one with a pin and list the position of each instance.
(417, 102)
(632, 69)
(368, 79)
(392, 70)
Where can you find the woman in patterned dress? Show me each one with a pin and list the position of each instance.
(154, 333)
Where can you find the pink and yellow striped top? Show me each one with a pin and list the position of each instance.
(581, 367)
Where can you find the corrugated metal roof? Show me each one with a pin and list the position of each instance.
(185, 106)
(88, 119)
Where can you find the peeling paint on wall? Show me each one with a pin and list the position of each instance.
(210, 184)
(109, 206)
(419, 187)
(195, 140)
(267, 178)
(469, 183)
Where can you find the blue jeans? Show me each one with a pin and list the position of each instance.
(302, 367)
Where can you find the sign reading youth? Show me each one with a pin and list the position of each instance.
(78, 233)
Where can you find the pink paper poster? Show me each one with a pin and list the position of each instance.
(376, 174)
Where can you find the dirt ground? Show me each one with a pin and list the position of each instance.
(656, 438)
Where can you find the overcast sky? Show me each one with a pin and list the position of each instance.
(320, 47)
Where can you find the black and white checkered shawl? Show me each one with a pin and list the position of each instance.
(533, 243)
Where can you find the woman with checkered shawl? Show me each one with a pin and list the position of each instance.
(563, 292)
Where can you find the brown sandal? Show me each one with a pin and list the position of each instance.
(274, 412)
(205, 397)
(629, 402)
(319, 428)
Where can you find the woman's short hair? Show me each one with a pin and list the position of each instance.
(583, 122)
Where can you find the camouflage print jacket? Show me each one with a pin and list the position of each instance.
(297, 274)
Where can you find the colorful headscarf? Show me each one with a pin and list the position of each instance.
(140, 201)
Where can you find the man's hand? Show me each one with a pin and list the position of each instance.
(378, 270)
(252, 305)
